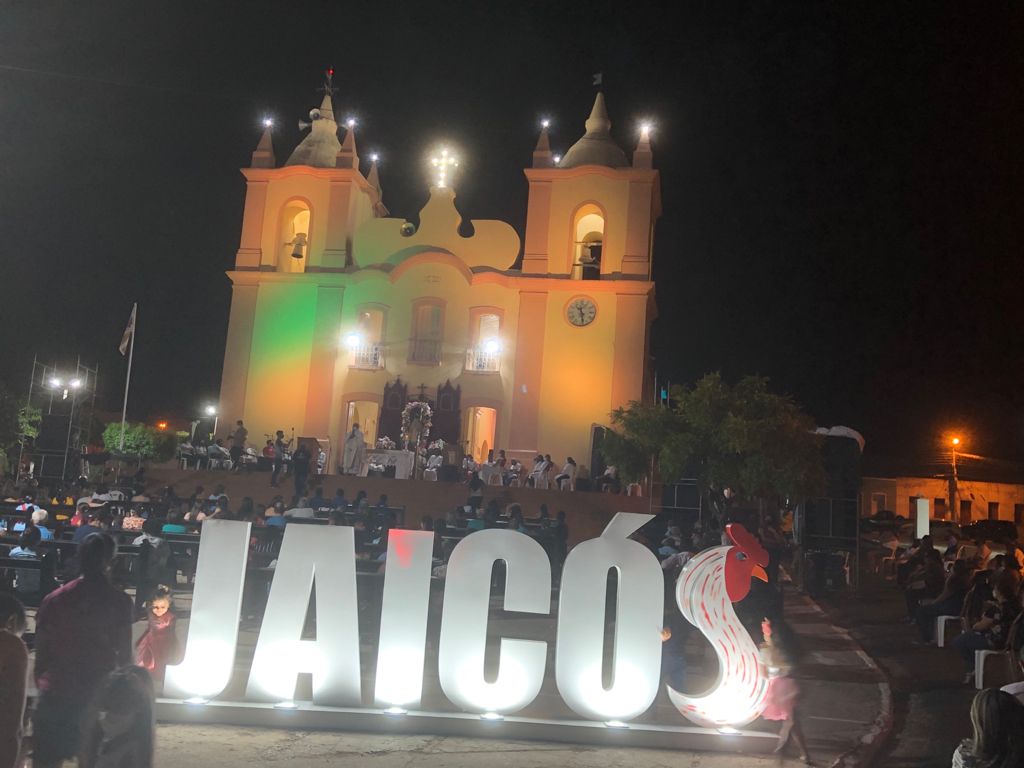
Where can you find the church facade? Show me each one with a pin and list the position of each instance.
(341, 313)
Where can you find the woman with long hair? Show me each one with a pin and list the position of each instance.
(997, 720)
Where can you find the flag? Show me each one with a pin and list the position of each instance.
(598, 78)
(129, 331)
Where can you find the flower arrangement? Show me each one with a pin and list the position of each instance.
(416, 411)
(385, 443)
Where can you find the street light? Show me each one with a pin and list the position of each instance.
(953, 482)
(211, 410)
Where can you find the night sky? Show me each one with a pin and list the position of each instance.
(842, 182)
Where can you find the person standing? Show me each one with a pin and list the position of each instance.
(300, 467)
(280, 446)
(355, 451)
(238, 438)
(13, 680)
(98, 617)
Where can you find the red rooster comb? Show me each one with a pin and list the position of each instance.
(751, 547)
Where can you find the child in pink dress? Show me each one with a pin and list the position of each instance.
(158, 647)
(778, 656)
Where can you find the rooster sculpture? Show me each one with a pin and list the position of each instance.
(705, 591)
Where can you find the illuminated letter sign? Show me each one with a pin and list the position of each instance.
(325, 557)
(581, 618)
(216, 603)
(403, 618)
(467, 595)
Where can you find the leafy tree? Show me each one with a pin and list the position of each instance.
(140, 440)
(17, 420)
(743, 438)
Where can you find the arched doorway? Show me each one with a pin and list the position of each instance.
(365, 413)
(480, 425)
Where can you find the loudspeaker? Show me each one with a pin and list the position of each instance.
(53, 432)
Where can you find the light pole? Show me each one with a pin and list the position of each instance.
(954, 511)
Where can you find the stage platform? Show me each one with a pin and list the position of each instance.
(587, 512)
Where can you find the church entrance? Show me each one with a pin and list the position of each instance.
(480, 424)
(365, 413)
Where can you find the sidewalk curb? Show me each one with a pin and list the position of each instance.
(878, 733)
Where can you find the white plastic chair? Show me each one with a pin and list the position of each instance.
(992, 669)
(943, 625)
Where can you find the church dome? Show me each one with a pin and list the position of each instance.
(597, 146)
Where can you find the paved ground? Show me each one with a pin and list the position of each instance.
(930, 701)
(842, 695)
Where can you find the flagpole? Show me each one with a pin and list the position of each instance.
(128, 378)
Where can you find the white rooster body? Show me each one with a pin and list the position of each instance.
(739, 693)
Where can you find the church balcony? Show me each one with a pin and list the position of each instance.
(425, 351)
(369, 356)
(485, 358)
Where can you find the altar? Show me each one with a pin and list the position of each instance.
(402, 461)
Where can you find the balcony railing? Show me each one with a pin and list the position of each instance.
(426, 351)
(367, 356)
(482, 360)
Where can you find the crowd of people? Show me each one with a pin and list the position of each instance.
(980, 587)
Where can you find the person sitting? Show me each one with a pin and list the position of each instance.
(539, 467)
(567, 474)
(426, 523)
(319, 503)
(301, 509)
(949, 602)
(27, 504)
(268, 450)
(218, 454)
(992, 630)
(361, 503)
(515, 519)
(609, 480)
(175, 523)
(274, 515)
(476, 487)
(139, 494)
(472, 522)
(27, 581)
(39, 518)
(925, 582)
(382, 501)
(997, 722)
(160, 557)
(514, 473)
(339, 502)
(90, 524)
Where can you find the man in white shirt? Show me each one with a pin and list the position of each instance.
(302, 509)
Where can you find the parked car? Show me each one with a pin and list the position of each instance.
(996, 531)
(941, 532)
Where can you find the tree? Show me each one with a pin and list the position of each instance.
(744, 438)
(17, 421)
(140, 440)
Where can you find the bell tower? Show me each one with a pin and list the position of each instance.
(591, 214)
(298, 223)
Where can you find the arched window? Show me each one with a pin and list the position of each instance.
(366, 339)
(295, 236)
(588, 243)
(427, 331)
(485, 344)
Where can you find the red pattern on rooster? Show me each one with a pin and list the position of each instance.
(705, 591)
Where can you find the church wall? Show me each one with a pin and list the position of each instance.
(237, 351)
(576, 388)
(279, 367)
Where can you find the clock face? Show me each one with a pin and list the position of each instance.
(581, 312)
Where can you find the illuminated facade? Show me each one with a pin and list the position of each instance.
(340, 313)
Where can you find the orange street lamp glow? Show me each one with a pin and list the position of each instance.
(956, 441)
(161, 425)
